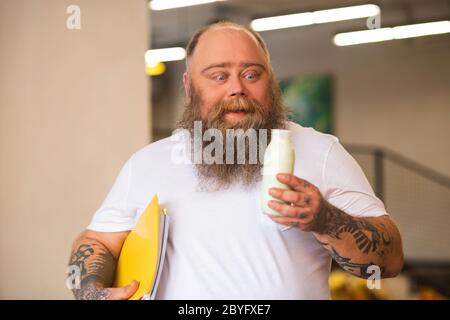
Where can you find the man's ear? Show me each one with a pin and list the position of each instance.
(187, 85)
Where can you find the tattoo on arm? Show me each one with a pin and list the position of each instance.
(358, 269)
(97, 267)
(369, 237)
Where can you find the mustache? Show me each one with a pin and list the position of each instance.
(243, 104)
(239, 104)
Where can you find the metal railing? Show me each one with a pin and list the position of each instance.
(382, 154)
(417, 198)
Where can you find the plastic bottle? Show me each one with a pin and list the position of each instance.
(279, 157)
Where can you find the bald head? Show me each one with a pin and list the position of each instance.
(224, 25)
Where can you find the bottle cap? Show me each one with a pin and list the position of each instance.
(281, 133)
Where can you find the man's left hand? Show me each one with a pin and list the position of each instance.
(304, 202)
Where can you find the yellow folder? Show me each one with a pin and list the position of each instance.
(143, 251)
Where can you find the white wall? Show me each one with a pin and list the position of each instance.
(74, 105)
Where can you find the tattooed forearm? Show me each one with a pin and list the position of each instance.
(97, 266)
(369, 236)
(357, 243)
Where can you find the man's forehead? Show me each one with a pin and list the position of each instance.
(228, 46)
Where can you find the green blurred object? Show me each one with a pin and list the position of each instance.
(309, 98)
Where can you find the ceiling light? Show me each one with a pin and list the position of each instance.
(315, 17)
(386, 34)
(172, 4)
(167, 54)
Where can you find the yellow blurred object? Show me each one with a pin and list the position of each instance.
(143, 252)
(344, 286)
(155, 69)
(430, 294)
(337, 280)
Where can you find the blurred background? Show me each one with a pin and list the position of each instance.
(81, 90)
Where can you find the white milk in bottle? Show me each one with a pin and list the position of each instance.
(279, 157)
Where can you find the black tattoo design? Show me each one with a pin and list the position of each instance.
(369, 238)
(364, 242)
(103, 267)
(80, 256)
(302, 216)
(97, 267)
(358, 269)
(307, 200)
(90, 291)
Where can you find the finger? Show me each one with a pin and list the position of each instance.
(294, 182)
(292, 222)
(288, 210)
(124, 293)
(299, 198)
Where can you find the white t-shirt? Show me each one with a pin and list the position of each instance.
(221, 245)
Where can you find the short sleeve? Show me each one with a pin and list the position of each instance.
(346, 186)
(114, 214)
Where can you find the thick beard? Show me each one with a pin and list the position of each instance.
(220, 176)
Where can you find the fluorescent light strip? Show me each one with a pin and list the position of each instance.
(157, 5)
(386, 34)
(316, 17)
(167, 54)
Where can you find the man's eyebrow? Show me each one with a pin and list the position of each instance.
(215, 65)
(251, 64)
(227, 64)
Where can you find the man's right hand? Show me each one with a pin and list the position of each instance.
(94, 291)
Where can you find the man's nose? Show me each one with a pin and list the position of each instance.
(237, 88)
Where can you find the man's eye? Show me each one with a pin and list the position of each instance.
(251, 76)
(219, 77)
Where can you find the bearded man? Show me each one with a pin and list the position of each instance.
(221, 245)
